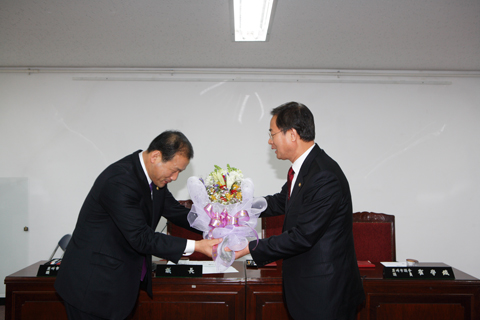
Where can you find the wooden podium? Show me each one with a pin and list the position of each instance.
(256, 293)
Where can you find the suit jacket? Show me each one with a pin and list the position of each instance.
(320, 273)
(115, 232)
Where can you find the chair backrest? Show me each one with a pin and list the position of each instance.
(62, 243)
(374, 236)
(177, 231)
(272, 226)
(373, 233)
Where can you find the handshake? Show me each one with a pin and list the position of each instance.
(208, 246)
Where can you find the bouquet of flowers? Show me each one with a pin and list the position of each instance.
(224, 207)
(223, 186)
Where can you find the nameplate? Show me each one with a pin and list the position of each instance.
(49, 269)
(178, 270)
(423, 272)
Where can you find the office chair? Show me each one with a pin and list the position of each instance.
(272, 226)
(374, 236)
(373, 233)
(62, 244)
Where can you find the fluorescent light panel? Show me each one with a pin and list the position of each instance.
(252, 19)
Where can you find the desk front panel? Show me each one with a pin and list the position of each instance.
(184, 302)
(385, 299)
(422, 300)
(216, 296)
(257, 294)
(265, 299)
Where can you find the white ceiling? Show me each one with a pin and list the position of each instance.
(438, 35)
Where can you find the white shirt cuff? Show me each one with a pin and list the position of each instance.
(190, 248)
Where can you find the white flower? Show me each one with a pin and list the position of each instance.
(232, 177)
(223, 186)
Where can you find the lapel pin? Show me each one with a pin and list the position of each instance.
(157, 188)
(299, 184)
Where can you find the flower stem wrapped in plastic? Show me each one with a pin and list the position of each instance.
(224, 207)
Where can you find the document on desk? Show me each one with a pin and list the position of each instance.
(394, 264)
(208, 266)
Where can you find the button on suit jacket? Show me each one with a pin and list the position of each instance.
(115, 232)
(320, 272)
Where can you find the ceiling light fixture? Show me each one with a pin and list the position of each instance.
(252, 19)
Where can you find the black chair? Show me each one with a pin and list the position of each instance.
(62, 244)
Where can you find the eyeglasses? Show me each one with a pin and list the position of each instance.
(271, 135)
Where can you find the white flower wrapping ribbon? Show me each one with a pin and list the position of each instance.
(233, 223)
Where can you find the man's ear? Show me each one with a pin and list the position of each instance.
(293, 134)
(155, 156)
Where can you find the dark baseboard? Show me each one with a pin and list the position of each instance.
(2, 301)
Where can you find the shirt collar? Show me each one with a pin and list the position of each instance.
(144, 168)
(298, 163)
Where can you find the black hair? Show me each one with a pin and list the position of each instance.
(169, 143)
(297, 116)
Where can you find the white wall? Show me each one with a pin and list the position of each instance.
(408, 145)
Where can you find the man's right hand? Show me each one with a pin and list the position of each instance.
(205, 246)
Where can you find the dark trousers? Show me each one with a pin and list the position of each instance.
(350, 314)
(75, 314)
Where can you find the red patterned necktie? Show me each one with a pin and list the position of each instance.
(289, 181)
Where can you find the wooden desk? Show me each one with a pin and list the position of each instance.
(264, 294)
(420, 299)
(257, 294)
(213, 296)
(385, 299)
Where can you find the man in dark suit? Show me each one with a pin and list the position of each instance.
(110, 254)
(320, 273)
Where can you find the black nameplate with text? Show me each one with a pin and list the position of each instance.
(423, 272)
(178, 270)
(49, 269)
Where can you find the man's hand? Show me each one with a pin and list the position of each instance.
(205, 246)
(241, 253)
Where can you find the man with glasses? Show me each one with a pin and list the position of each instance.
(320, 273)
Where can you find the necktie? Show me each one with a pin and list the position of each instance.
(144, 267)
(289, 180)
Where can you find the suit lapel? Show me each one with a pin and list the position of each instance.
(302, 176)
(158, 195)
(144, 187)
